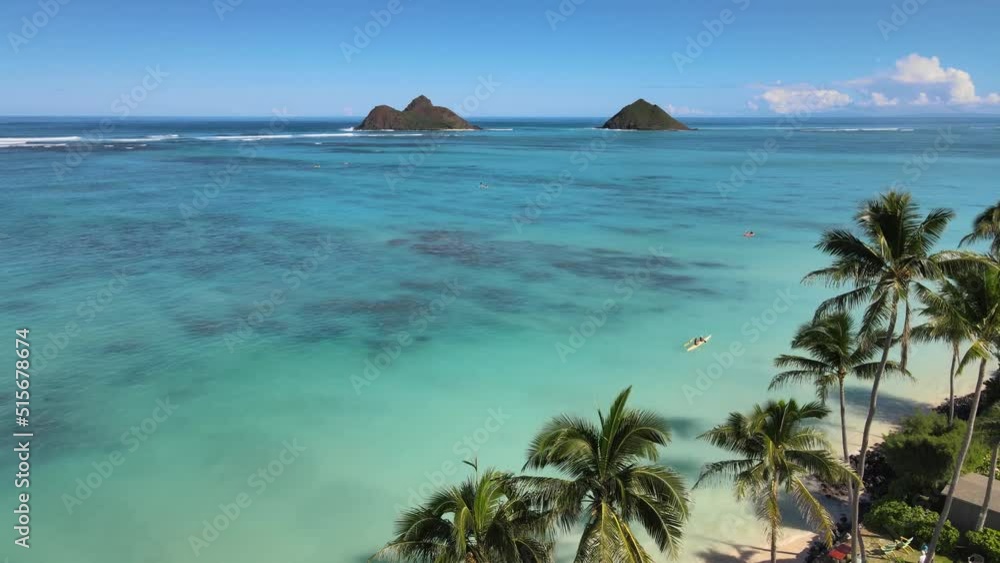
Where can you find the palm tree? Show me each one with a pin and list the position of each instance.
(980, 311)
(986, 227)
(835, 351)
(608, 486)
(989, 429)
(943, 325)
(486, 519)
(881, 268)
(776, 451)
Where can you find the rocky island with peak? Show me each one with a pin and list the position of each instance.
(419, 115)
(644, 116)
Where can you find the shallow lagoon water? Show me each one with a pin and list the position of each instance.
(360, 298)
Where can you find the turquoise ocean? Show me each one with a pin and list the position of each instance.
(257, 340)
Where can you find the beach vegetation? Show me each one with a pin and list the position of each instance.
(986, 543)
(486, 519)
(980, 311)
(777, 449)
(989, 433)
(889, 252)
(898, 519)
(922, 454)
(610, 480)
(944, 325)
(986, 228)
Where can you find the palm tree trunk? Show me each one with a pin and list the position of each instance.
(985, 510)
(951, 382)
(843, 422)
(843, 439)
(843, 436)
(774, 525)
(957, 473)
(904, 348)
(856, 503)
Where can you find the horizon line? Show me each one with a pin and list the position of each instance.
(492, 117)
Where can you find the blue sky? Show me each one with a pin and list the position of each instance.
(543, 57)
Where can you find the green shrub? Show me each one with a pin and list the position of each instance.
(985, 543)
(923, 530)
(896, 519)
(922, 455)
(889, 517)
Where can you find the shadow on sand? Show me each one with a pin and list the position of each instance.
(742, 553)
(890, 407)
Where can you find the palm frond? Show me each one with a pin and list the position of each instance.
(607, 485)
(813, 511)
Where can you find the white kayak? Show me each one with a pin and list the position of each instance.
(690, 346)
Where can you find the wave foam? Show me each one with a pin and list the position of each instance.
(323, 135)
(853, 129)
(146, 139)
(35, 141)
(273, 136)
(243, 137)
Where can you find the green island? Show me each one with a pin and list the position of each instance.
(419, 115)
(641, 115)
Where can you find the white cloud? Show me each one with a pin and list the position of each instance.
(917, 69)
(922, 80)
(685, 110)
(752, 105)
(921, 100)
(879, 100)
(803, 98)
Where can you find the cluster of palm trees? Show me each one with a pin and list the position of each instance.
(888, 265)
(776, 451)
(610, 481)
(604, 478)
